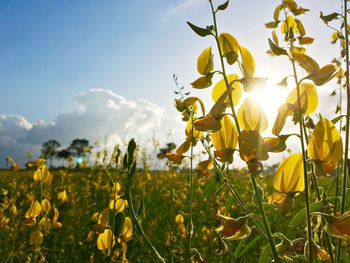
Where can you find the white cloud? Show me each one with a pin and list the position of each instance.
(103, 115)
(178, 8)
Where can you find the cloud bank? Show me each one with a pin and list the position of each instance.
(103, 115)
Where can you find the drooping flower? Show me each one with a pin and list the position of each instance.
(225, 140)
(288, 181)
(325, 147)
(317, 251)
(338, 226)
(234, 229)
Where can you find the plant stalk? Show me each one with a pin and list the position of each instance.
(307, 202)
(233, 191)
(264, 219)
(157, 257)
(346, 151)
(223, 69)
(190, 200)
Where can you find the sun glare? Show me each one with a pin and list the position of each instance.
(270, 98)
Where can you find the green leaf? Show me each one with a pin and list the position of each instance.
(240, 247)
(336, 119)
(203, 32)
(223, 6)
(276, 50)
(249, 246)
(125, 161)
(328, 18)
(272, 24)
(229, 203)
(300, 217)
(203, 82)
(131, 147)
(265, 255)
(283, 83)
(208, 188)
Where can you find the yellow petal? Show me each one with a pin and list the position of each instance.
(183, 148)
(34, 210)
(205, 62)
(224, 156)
(323, 75)
(306, 62)
(179, 218)
(106, 240)
(36, 238)
(251, 146)
(229, 47)
(126, 232)
(207, 123)
(45, 205)
(118, 206)
(283, 111)
(308, 98)
(195, 134)
(204, 166)
(62, 196)
(104, 217)
(248, 63)
(41, 173)
(220, 88)
(251, 116)
(227, 136)
(289, 177)
(325, 143)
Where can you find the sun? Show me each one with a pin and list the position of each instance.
(270, 97)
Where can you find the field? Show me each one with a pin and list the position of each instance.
(163, 196)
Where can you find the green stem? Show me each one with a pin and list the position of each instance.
(318, 195)
(346, 154)
(233, 190)
(114, 201)
(157, 257)
(264, 219)
(190, 200)
(223, 69)
(307, 202)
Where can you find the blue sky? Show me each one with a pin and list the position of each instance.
(54, 52)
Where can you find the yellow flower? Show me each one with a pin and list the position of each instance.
(325, 146)
(318, 252)
(225, 140)
(220, 88)
(251, 116)
(308, 98)
(288, 181)
(106, 240)
(234, 229)
(204, 167)
(205, 62)
(251, 146)
(338, 226)
(289, 23)
(177, 157)
(289, 177)
(308, 103)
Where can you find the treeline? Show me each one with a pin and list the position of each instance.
(79, 148)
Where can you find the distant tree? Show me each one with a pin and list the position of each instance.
(79, 147)
(162, 151)
(64, 154)
(49, 150)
